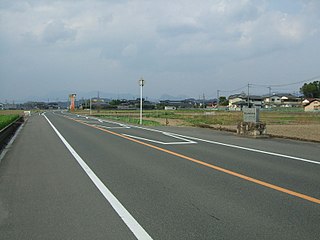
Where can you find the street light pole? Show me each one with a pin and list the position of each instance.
(248, 95)
(141, 83)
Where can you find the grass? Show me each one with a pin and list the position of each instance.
(5, 120)
(202, 118)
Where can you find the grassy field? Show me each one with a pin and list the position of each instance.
(201, 117)
(5, 120)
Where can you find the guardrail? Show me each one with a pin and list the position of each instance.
(8, 132)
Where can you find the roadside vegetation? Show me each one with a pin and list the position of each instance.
(5, 120)
(203, 118)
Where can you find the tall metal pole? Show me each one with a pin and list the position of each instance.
(248, 95)
(90, 106)
(141, 83)
(269, 97)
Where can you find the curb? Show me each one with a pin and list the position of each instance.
(8, 146)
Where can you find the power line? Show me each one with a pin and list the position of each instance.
(235, 90)
(269, 86)
(287, 84)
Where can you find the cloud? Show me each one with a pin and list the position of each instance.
(58, 31)
(130, 50)
(177, 40)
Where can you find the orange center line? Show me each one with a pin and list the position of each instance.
(247, 178)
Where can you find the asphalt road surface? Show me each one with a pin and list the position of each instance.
(75, 177)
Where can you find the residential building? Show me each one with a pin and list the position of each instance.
(238, 101)
(312, 106)
(282, 100)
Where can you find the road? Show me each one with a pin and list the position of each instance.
(74, 177)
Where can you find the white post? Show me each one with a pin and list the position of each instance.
(141, 83)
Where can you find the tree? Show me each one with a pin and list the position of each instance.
(311, 90)
(223, 101)
(115, 102)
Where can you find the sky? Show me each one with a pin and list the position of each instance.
(182, 48)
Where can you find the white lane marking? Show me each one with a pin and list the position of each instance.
(126, 217)
(177, 137)
(233, 146)
(107, 121)
(230, 145)
(164, 143)
(115, 123)
(249, 149)
(102, 126)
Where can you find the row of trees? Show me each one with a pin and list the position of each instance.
(311, 90)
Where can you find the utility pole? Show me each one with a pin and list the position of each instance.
(248, 95)
(203, 100)
(141, 84)
(98, 102)
(269, 96)
(90, 106)
(218, 93)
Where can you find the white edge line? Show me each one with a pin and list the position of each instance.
(234, 146)
(250, 149)
(230, 145)
(126, 217)
(174, 136)
(101, 126)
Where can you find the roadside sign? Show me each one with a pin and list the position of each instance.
(251, 115)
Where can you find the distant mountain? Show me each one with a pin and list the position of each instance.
(64, 95)
(169, 97)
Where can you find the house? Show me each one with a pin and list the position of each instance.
(238, 101)
(312, 106)
(10, 106)
(272, 101)
(282, 100)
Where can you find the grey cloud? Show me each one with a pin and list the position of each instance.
(58, 31)
(170, 43)
(177, 30)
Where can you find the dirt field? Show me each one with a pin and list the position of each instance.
(304, 132)
(310, 132)
(293, 125)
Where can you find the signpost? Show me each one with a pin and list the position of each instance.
(251, 125)
(251, 115)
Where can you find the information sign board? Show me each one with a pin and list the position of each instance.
(251, 115)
